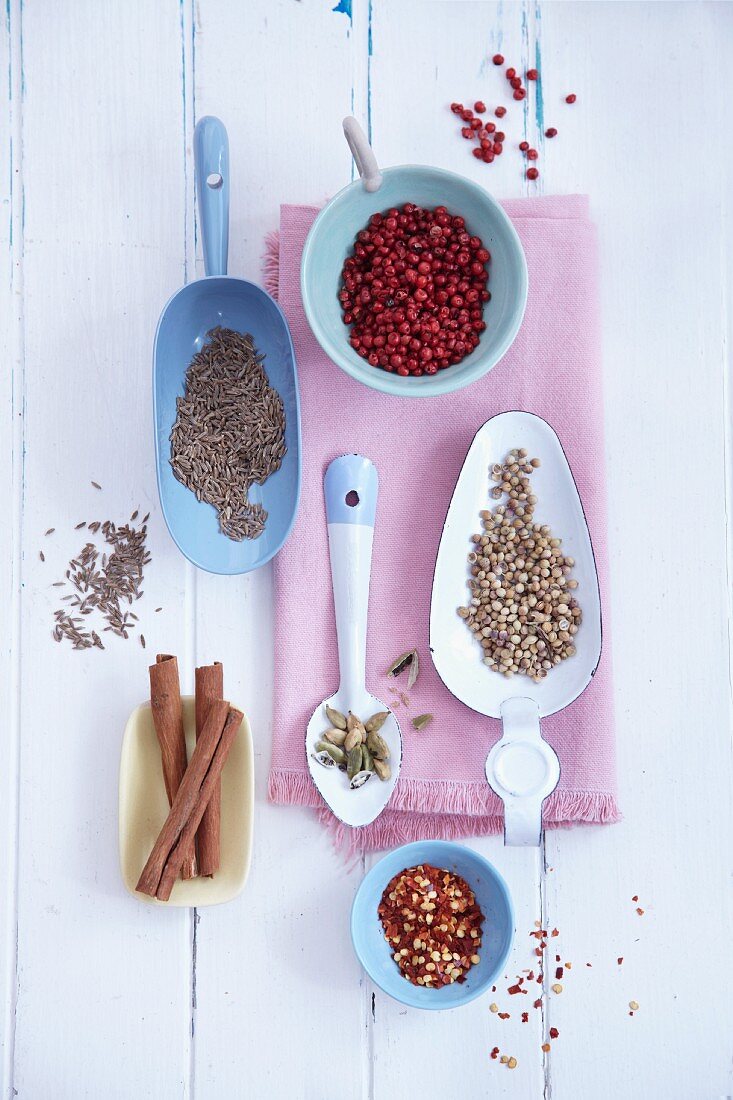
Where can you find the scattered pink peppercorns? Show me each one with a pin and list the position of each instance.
(524, 146)
(532, 74)
(466, 132)
(489, 127)
(500, 136)
(479, 107)
(520, 93)
(413, 290)
(511, 73)
(500, 112)
(456, 108)
(498, 59)
(498, 148)
(532, 173)
(516, 82)
(551, 132)
(571, 98)
(532, 154)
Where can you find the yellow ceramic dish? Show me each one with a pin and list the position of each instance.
(144, 807)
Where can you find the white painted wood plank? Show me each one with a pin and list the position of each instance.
(663, 235)
(449, 58)
(275, 973)
(10, 390)
(104, 981)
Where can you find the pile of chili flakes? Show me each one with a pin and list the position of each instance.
(432, 924)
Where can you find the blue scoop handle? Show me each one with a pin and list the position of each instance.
(211, 161)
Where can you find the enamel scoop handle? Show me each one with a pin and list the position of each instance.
(211, 162)
(350, 487)
(363, 154)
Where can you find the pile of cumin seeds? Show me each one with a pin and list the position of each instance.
(103, 582)
(229, 432)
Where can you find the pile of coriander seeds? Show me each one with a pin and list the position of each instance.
(522, 610)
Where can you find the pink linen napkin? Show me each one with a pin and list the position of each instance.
(553, 369)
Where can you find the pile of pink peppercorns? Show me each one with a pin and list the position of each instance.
(413, 290)
(490, 141)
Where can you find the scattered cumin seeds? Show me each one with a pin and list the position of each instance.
(50, 530)
(142, 640)
(41, 555)
(158, 609)
(96, 485)
(80, 525)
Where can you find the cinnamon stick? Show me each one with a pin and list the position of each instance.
(189, 803)
(211, 780)
(209, 686)
(165, 703)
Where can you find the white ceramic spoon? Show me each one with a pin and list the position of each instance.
(521, 768)
(350, 487)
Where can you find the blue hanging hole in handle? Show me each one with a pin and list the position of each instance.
(350, 486)
(211, 161)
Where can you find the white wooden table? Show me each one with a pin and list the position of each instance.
(106, 997)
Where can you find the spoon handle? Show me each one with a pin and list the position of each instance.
(211, 162)
(350, 488)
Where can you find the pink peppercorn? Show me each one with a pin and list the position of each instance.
(570, 98)
(532, 173)
(532, 74)
(498, 59)
(500, 112)
(479, 106)
(551, 132)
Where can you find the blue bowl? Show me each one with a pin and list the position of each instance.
(492, 895)
(331, 240)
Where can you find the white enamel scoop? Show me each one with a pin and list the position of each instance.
(521, 768)
(350, 487)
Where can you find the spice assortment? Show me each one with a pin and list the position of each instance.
(229, 432)
(522, 610)
(413, 290)
(189, 842)
(354, 747)
(432, 924)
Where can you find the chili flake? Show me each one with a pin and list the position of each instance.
(433, 925)
(554, 1033)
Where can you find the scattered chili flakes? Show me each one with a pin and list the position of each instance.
(540, 978)
(640, 912)
(620, 959)
(538, 1003)
(545, 1047)
(494, 1053)
(554, 1033)
(433, 925)
(515, 989)
(504, 1015)
(559, 973)
(555, 932)
(525, 1017)
(635, 897)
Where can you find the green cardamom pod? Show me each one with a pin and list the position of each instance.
(367, 761)
(353, 763)
(421, 721)
(336, 718)
(335, 736)
(376, 721)
(353, 739)
(333, 751)
(382, 768)
(378, 747)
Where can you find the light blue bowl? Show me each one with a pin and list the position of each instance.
(492, 895)
(331, 240)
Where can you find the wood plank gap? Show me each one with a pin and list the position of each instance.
(14, 30)
(190, 647)
(360, 37)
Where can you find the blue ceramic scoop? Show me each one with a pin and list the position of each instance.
(220, 299)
